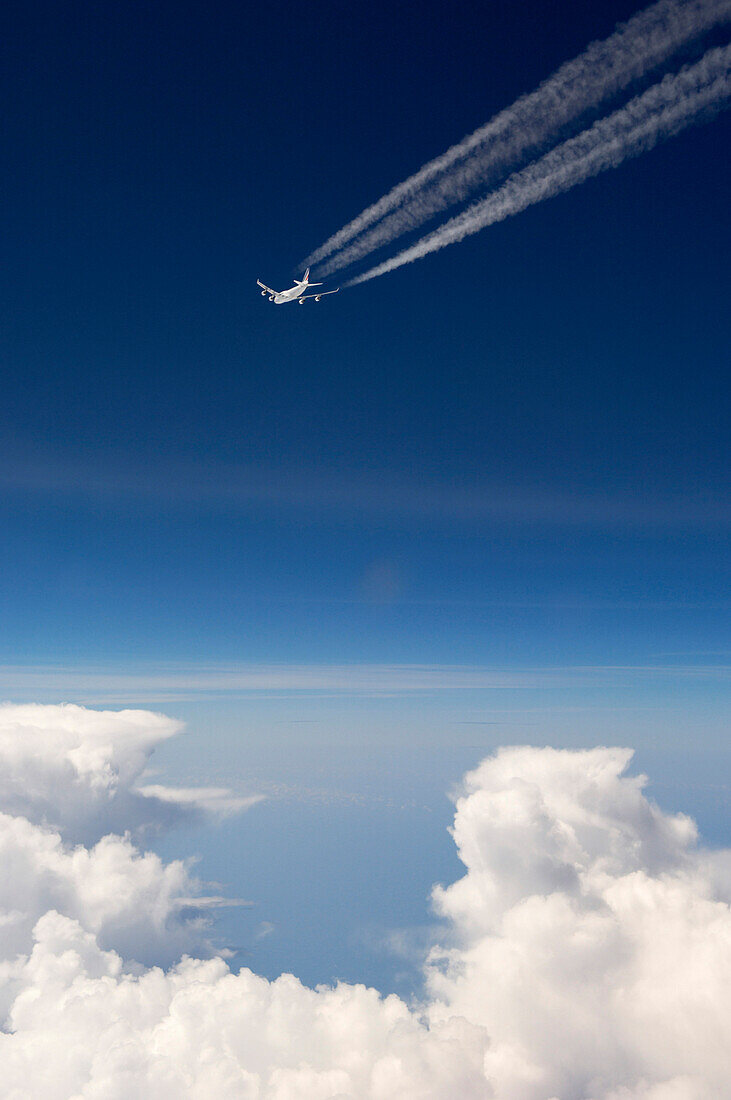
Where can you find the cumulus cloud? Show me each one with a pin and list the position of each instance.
(585, 955)
(79, 770)
(592, 938)
(68, 773)
(148, 910)
(201, 1031)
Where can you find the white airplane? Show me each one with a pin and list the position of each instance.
(295, 293)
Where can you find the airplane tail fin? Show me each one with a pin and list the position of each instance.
(305, 280)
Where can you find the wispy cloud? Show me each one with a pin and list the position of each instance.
(216, 800)
(322, 492)
(170, 682)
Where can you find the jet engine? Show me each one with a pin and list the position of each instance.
(317, 297)
(302, 301)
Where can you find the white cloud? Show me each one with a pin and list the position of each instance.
(200, 1031)
(217, 800)
(68, 773)
(78, 770)
(146, 909)
(592, 939)
(586, 956)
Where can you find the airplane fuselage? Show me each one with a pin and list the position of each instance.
(290, 295)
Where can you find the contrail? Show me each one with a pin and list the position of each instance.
(663, 110)
(601, 71)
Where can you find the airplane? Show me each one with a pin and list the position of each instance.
(295, 293)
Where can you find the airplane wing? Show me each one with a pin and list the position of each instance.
(320, 295)
(265, 287)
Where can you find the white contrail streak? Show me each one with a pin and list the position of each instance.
(661, 111)
(601, 71)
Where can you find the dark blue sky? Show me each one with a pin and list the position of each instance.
(538, 414)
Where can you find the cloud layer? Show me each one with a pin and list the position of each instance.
(585, 954)
(171, 682)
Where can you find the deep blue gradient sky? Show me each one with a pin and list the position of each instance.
(512, 454)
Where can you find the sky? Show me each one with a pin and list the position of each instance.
(355, 547)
